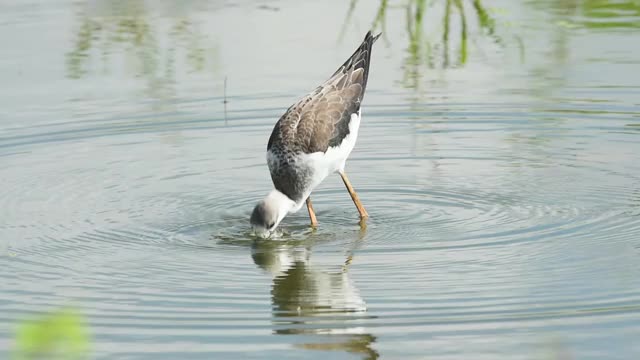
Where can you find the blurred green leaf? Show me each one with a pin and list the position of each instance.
(58, 335)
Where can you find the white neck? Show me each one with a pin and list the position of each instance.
(281, 202)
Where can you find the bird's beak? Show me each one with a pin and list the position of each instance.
(261, 232)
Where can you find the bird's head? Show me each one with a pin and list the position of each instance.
(269, 212)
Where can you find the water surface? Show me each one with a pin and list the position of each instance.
(502, 181)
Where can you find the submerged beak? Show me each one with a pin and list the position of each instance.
(261, 232)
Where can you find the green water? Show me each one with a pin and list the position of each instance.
(497, 157)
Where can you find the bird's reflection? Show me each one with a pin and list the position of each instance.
(308, 299)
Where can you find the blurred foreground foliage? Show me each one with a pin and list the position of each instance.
(58, 335)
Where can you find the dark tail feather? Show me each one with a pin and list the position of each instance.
(360, 58)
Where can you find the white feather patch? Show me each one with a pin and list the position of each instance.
(324, 163)
(334, 159)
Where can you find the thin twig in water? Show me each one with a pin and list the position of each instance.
(225, 101)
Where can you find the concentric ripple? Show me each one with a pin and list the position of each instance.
(153, 243)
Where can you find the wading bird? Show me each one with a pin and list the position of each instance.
(313, 139)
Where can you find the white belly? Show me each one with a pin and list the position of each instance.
(334, 159)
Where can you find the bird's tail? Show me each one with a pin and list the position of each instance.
(360, 59)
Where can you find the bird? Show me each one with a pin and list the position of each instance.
(313, 139)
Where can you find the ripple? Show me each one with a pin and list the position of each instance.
(485, 219)
(477, 227)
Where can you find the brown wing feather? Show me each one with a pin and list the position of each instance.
(321, 119)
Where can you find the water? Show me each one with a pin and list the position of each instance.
(503, 184)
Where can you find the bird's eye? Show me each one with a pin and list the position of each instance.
(270, 225)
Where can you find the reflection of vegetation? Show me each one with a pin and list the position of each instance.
(568, 15)
(633, 127)
(598, 13)
(59, 335)
(127, 28)
(438, 51)
(607, 14)
(307, 300)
